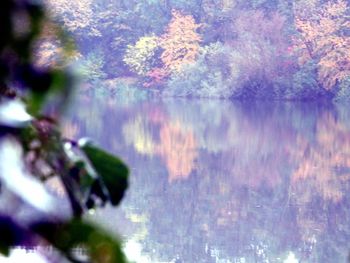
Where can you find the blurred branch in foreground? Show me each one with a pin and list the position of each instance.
(32, 150)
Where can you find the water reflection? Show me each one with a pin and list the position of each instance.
(216, 181)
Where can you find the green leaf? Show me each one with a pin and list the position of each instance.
(35, 102)
(101, 247)
(113, 172)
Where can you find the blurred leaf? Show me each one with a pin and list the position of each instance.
(37, 80)
(113, 172)
(35, 102)
(86, 178)
(11, 235)
(13, 114)
(89, 185)
(97, 190)
(19, 181)
(60, 80)
(66, 236)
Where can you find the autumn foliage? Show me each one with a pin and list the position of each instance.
(179, 45)
(298, 49)
(180, 42)
(323, 166)
(139, 57)
(178, 148)
(322, 38)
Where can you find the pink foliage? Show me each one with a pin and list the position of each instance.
(261, 41)
(157, 75)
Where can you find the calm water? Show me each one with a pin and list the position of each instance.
(217, 181)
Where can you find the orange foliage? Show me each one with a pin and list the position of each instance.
(177, 145)
(180, 42)
(324, 166)
(321, 38)
(323, 171)
(178, 148)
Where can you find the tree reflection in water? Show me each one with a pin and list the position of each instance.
(218, 180)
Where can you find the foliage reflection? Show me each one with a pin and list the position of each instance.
(222, 180)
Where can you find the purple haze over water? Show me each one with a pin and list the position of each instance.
(222, 181)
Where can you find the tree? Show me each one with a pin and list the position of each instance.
(77, 16)
(180, 42)
(91, 66)
(211, 76)
(140, 57)
(322, 37)
(259, 56)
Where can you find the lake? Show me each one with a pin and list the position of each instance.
(222, 181)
